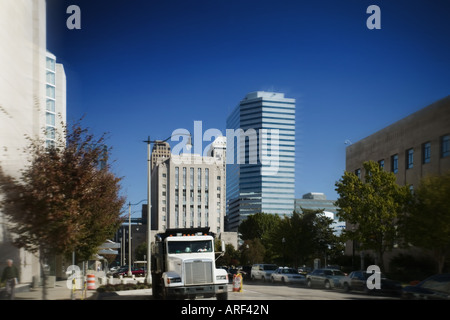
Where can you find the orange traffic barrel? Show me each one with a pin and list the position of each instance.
(237, 283)
(91, 282)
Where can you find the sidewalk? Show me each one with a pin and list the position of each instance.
(59, 292)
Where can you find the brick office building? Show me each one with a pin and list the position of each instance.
(412, 148)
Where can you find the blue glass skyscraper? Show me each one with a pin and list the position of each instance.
(260, 157)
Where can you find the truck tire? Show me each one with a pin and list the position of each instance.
(222, 296)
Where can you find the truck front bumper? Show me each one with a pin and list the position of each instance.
(209, 290)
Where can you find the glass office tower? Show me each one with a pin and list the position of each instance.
(260, 157)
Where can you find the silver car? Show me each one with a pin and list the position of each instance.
(262, 271)
(287, 275)
(325, 278)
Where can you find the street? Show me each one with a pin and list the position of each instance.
(267, 291)
(260, 291)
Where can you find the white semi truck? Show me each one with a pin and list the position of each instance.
(184, 265)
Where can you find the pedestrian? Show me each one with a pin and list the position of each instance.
(11, 276)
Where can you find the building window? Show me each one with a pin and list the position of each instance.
(445, 146)
(184, 177)
(381, 164)
(409, 158)
(426, 152)
(394, 163)
(199, 179)
(50, 119)
(358, 173)
(177, 171)
(50, 105)
(51, 64)
(51, 77)
(50, 132)
(206, 179)
(191, 178)
(50, 91)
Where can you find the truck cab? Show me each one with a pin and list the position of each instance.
(183, 266)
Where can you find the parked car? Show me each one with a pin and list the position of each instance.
(112, 270)
(357, 281)
(325, 278)
(138, 272)
(262, 271)
(436, 287)
(246, 272)
(287, 275)
(304, 270)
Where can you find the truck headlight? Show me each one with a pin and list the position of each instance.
(222, 277)
(173, 280)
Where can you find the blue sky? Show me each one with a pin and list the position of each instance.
(143, 67)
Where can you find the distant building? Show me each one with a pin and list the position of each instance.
(188, 190)
(260, 157)
(160, 150)
(318, 201)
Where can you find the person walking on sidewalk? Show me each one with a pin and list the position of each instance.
(11, 276)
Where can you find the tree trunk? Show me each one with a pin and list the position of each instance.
(42, 260)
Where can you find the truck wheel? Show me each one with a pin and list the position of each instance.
(222, 296)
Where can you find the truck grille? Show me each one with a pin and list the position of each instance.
(198, 272)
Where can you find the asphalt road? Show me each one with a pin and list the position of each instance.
(263, 291)
(266, 291)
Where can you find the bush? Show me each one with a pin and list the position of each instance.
(121, 287)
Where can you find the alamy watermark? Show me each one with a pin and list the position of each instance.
(249, 146)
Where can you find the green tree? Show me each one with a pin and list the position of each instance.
(141, 251)
(66, 200)
(261, 226)
(258, 226)
(252, 251)
(303, 236)
(373, 206)
(427, 224)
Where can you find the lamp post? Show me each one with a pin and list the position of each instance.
(148, 278)
(129, 235)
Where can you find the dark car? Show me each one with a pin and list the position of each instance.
(357, 281)
(138, 272)
(436, 287)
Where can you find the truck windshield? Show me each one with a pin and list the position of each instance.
(189, 246)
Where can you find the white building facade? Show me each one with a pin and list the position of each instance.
(32, 94)
(188, 190)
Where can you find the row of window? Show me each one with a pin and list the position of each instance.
(50, 116)
(409, 155)
(426, 154)
(183, 215)
(191, 177)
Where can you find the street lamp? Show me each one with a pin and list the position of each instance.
(148, 278)
(129, 235)
(283, 241)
